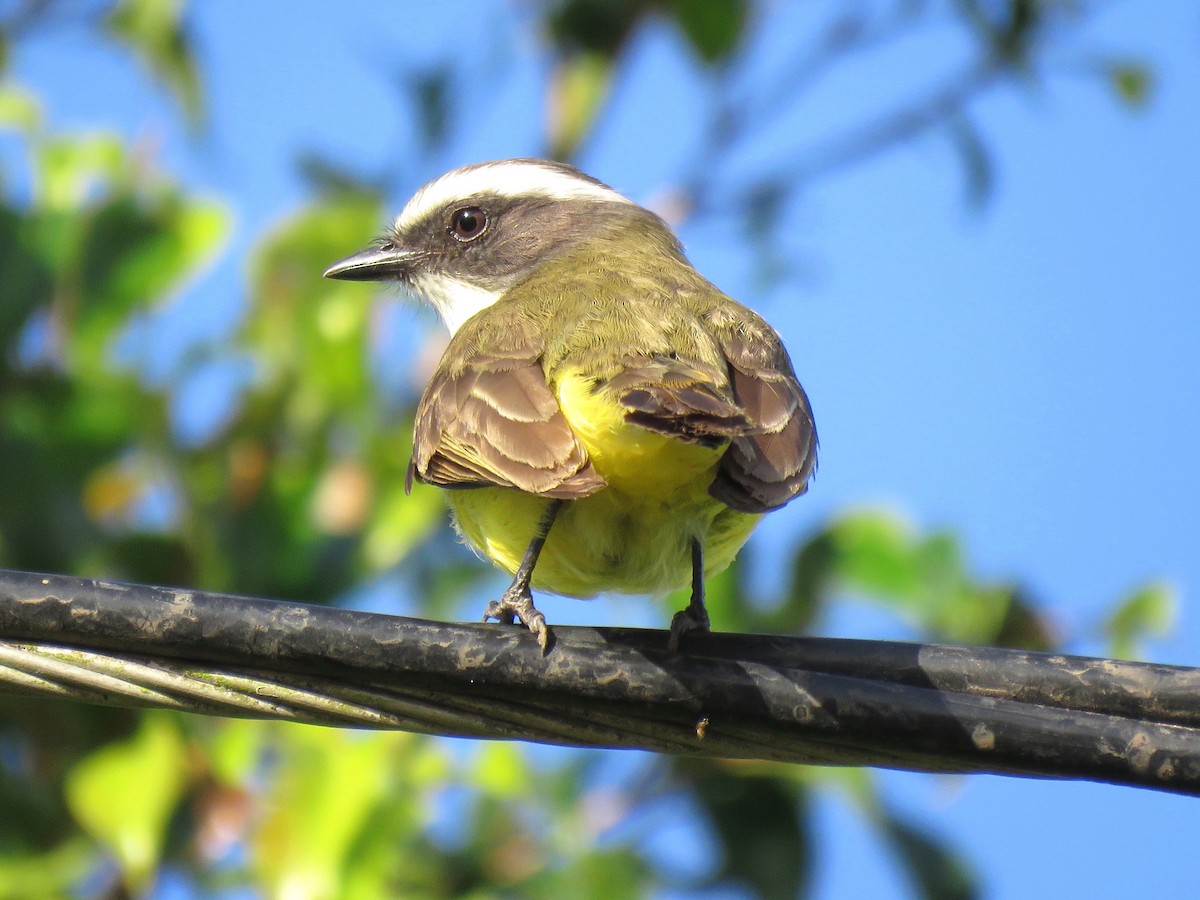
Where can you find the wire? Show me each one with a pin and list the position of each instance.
(912, 706)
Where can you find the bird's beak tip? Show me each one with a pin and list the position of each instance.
(372, 264)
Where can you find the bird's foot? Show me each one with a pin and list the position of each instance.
(517, 603)
(693, 617)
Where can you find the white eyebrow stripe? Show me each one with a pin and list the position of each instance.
(506, 178)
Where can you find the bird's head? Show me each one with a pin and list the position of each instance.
(466, 238)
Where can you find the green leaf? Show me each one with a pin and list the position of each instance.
(1148, 612)
(236, 749)
(881, 557)
(329, 783)
(303, 325)
(19, 109)
(27, 279)
(714, 28)
(758, 820)
(594, 26)
(124, 794)
(501, 771)
(616, 874)
(136, 252)
(875, 551)
(400, 523)
(68, 169)
(56, 873)
(813, 569)
(1133, 82)
(578, 87)
(937, 872)
(154, 30)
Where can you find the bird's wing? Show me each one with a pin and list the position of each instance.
(488, 418)
(679, 398)
(771, 461)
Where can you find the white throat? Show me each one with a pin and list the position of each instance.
(455, 301)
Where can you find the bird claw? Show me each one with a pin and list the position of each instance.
(690, 618)
(519, 605)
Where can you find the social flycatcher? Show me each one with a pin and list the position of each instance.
(604, 418)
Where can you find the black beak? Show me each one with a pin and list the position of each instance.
(374, 264)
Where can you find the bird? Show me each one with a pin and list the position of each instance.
(603, 419)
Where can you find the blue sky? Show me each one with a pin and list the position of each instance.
(1027, 374)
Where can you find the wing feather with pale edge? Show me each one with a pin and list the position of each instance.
(491, 420)
(685, 400)
(772, 461)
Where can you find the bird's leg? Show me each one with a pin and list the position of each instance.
(518, 599)
(693, 617)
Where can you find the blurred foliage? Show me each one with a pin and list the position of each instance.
(1132, 81)
(124, 793)
(1150, 611)
(589, 37)
(156, 33)
(296, 492)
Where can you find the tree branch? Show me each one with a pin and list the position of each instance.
(834, 702)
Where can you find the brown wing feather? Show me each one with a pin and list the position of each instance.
(682, 399)
(489, 418)
(772, 461)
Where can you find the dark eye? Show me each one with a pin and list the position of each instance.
(468, 224)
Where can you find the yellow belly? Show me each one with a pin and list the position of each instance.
(634, 536)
